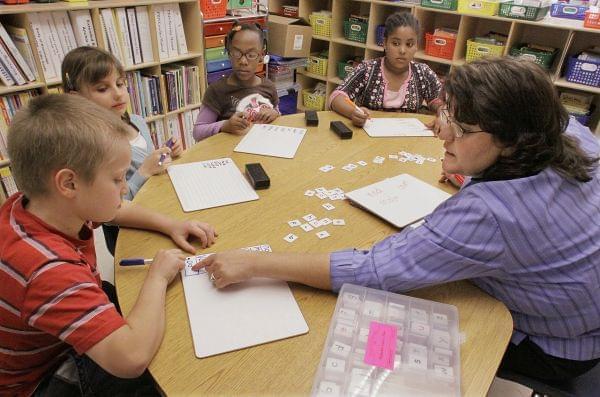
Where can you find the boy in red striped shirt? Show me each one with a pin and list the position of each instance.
(59, 332)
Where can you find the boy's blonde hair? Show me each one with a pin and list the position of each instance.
(87, 65)
(60, 131)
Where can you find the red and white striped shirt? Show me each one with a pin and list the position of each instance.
(50, 298)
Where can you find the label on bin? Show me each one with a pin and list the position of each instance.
(381, 345)
(298, 39)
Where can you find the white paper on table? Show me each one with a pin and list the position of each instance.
(393, 127)
(271, 140)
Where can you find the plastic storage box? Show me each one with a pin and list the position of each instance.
(321, 24)
(313, 101)
(583, 72)
(441, 47)
(565, 10)
(528, 13)
(592, 20)
(479, 50)
(385, 344)
(355, 31)
(478, 7)
(542, 58)
(450, 5)
(213, 8)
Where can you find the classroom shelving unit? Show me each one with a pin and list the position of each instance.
(569, 36)
(17, 15)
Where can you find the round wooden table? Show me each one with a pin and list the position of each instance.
(287, 367)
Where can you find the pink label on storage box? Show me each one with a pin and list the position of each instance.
(381, 345)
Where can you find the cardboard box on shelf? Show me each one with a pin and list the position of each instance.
(289, 37)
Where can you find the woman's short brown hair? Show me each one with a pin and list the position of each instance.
(516, 102)
(87, 65)
(60, 131)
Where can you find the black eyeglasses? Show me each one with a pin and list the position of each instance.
(457, 129)
(250, 55)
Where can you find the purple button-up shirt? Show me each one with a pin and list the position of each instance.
(533, 243)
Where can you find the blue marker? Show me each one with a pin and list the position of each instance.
(135, 262)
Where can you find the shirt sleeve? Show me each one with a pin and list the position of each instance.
(134, 183)
(355, 82)
(206, 124)
(459, 240)
(433, 86)
(65, 300)
(211, 100)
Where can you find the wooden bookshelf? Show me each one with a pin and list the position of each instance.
(569, 36)
(18, 15)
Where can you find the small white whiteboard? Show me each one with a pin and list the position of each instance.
(271, 140)
(400, 200)
(242, 315)
(394, 127)
(208, 184)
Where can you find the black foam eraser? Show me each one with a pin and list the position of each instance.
(257, 175)
(311, 117)
(341, 129)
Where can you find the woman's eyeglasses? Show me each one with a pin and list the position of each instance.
(457, 129)
(250, 55)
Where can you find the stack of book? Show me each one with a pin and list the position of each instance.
(56, 33)
(7, 182)
(17, 65)
(126, 32)
(169, 31)
(144, 94)
(181, 126)
(182, 85)
(9, 104)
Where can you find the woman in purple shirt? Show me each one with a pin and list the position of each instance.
(524, 227)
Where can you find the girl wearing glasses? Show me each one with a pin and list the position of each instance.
(524, 228)
(393, 82)
(234, 102)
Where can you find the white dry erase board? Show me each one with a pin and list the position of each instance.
(208, 184)
(394, 127)
(271, 140)
(247, 314)
(400, 200)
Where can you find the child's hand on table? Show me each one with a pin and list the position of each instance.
(236, 124)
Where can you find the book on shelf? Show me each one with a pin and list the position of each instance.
(182, 85)
(144, 94)
(66, 36)
(15, 54)
(169, 31)
(181, 126)
(134, 36)
(143, 24)
(9, 186)
(109, 30)
(122, 26)
(9, 104)
(83, 28)
(21, 41)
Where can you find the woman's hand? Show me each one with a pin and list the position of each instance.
(230, 267)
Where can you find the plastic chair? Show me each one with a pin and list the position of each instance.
(586, 385)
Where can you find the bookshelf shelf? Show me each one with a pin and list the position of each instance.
(312, 75)
(17, 88)
(184, 57)
(184, 109)
(141, 66)
(569, 36)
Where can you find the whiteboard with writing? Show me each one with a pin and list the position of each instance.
(271, 140)
(400, 200)
(208, 184)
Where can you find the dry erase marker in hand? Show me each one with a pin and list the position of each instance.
(163, 156)
(348, 101)
(135, 262)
